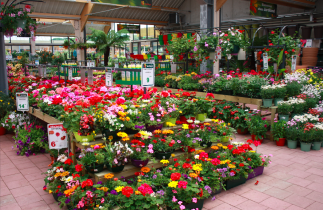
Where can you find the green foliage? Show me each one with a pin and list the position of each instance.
(6, 104)
(279, 129)
(181, 45)
(284, 108)
(293, 88)
(257, 126)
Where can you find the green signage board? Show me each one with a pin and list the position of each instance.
(133, 29)
(263, 9)
(141, 3)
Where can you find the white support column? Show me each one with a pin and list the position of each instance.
(216, 65)
(32, 46)
(79, 37)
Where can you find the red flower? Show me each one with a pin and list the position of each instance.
(175, 176)
(272, 32)
(87, 183)
(201, 192)
(241, 164)
(59, 186)
(230, 147)
(68, 161)
(79, 167)
(127, 191)
(249, 141)
(249, 159)
(27, 6)
(210, 95)
(175, 159)
(187, 165)
(177, 164)
(155, 141)
(75, 175)
(71, 154)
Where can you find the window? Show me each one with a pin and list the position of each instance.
(135, 48)
(44, 48)
(59, 49)
(143, 31)
(145, 47)
(20, 49)
(151, 31)
(43, 40)
(15, 39)
(58, 40)
(160, 50)
(127, 48)
(154, 45)
(157, 33)
(6, 39)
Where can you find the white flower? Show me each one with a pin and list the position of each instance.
(62, 158)
(196, 157)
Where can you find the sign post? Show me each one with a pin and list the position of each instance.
(147, 75)
(265, 60)
(57, 137)
(294, 58)
(70, 73)
(108, 77)
(90, 76)
(22, 102)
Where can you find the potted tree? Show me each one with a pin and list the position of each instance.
(279, 132)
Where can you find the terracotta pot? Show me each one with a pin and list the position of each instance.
(281, 142)
(310, 51)
(306, 32)
(245, 131)
(309, 61)
(253, 137)
(2, 131)
(318, 32)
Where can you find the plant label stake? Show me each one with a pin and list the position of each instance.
(148, 75)
(90, 76)
(57, 137)
(265, 60)
(22, 102)
(294, 58)
(70, 73)
(108, 77)
(308, 43)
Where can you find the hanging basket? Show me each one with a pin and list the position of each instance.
(21, 23)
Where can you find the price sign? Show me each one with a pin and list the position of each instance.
(148, 75)
(90, 64)
(123, 76)
(294, 58)
(57, 137)
(36, 62)
(8, 57)
(128, 75)
(171, 57)
(116, 65)
(265, 60)
(90, 76)
(108, 77)
(308, 43)
(70, 73)
(22, 102)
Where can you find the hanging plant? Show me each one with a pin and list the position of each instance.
(232, 40)
(17, 20)
(205, 46)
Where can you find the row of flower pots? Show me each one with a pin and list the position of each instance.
(305, 146)
(270, 102)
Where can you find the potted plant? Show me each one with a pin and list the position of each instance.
(239, 121)
(317, 141)
(93, 158)
(232, 40)
(267, 94)
(284, 108)
(257, 126)
(186, 138)
(152, 115)
(298, 106)
(308, 136)
(203, 107)
(292, 134)
(86, 130)
(164, 143)
(280, 92)
(171, 105)
(141, 153)
(6, 105)
(278, 130)
(116, 155)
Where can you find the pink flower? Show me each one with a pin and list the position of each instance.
(182, 207)
(194, 200)
(102, 200)
(174, 199)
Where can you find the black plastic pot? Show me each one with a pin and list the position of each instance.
(206, 144)
(55, 197)
(306, 32)
(95, 168)
(115, 169)
(234, 182)
(161, 155)
(318, 32)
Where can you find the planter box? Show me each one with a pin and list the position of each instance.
(234, 182)
(256, 172)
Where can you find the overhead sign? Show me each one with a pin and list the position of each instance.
(263, 9)
(140, 3)
(147, 75)
(22, 101)
(133, 29)
(57, 137)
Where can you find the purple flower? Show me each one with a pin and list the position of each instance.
(67, 200)
(160, 192)
(99, 182)
(60, 194)
(27, 154)
(185, 176)
(113, 192)
(223, 175)
(188, 135)
(154, 176)
(231, 174)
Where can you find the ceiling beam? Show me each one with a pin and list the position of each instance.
(84, 17)
(219, 4)
(54, 16)
(283, 3)
(124, 20)
(306, 2)
(107, 28)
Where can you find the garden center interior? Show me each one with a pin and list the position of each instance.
(161, 104)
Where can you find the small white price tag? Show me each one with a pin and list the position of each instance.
(308, 43)
(265, 60)
(108, 77)
(70, 73)
(57, 137)
(116, 65)
(8, 57)
(171, 57)
(294, 58)
(229, 56)
(22, 101)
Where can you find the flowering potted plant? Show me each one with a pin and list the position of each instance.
(204, 106)
(93, 158)
(187, 138)
(239, 122)
(86, 129)
(153, 115)
(232, 40)
(284, 108)
(141, 153)
(280, 92)
(6, 105)
(267, 94)
(257, 126)
(117, 155)
(278, 130)
(164, 143)
(298, 105)
(292, 134)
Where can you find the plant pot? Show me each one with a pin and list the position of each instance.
(318, 32)
(130, 131)
(253, 137)
(236, 49)
(96, 168)
(21, 23)
(198, 205)
(310, 52)
(163, 155)
(256, 172)
(309, 61)
(306, 32)
(107, 134)
(152, 128)
(83, 138)
(206, 144)
(306, 147)
(284, 117)
(281, 142)
(291, 144)
(215, 191)
(322, 143)
(267, 102)
(139, 163)
(170, 120)
(200, 117)
(276, 100)
(225, 139)
(55, 197)
(316, 145)
(2, 131)
(114, 168)
(234, 182)
(242, 132)
(189, 149)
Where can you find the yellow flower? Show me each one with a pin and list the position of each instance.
(169, 124)
(252, 151)
(197, 167)
(125, 139)
(173, 155)
(167, 132)
(225, 147)
(164, 161)
(122, 134)
(137, 192)
(127, 119)
(50, 192)
(180, 112)
(207, 124)
(220, 145)
(157, 131)
(122, 114)
(185, 126)
(58, 174)
(119, 188)
(231, 166)
(173, 184)
(110, 137)
(215, 147)
(193, 175)
(104, 189)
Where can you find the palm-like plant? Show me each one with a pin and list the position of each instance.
(103, 41)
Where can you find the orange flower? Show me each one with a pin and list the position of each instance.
(138, 135)
(215, 147)
(193, 175)
(109, 176)
(145, 169)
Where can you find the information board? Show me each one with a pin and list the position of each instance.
(22, 101)
(108, 77)
(148, 75)
(57, 137)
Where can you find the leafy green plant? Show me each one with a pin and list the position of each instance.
(284, 107)
(278, 129)
(6, 105)
(181, 46)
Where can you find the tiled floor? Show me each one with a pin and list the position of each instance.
(293, 181)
